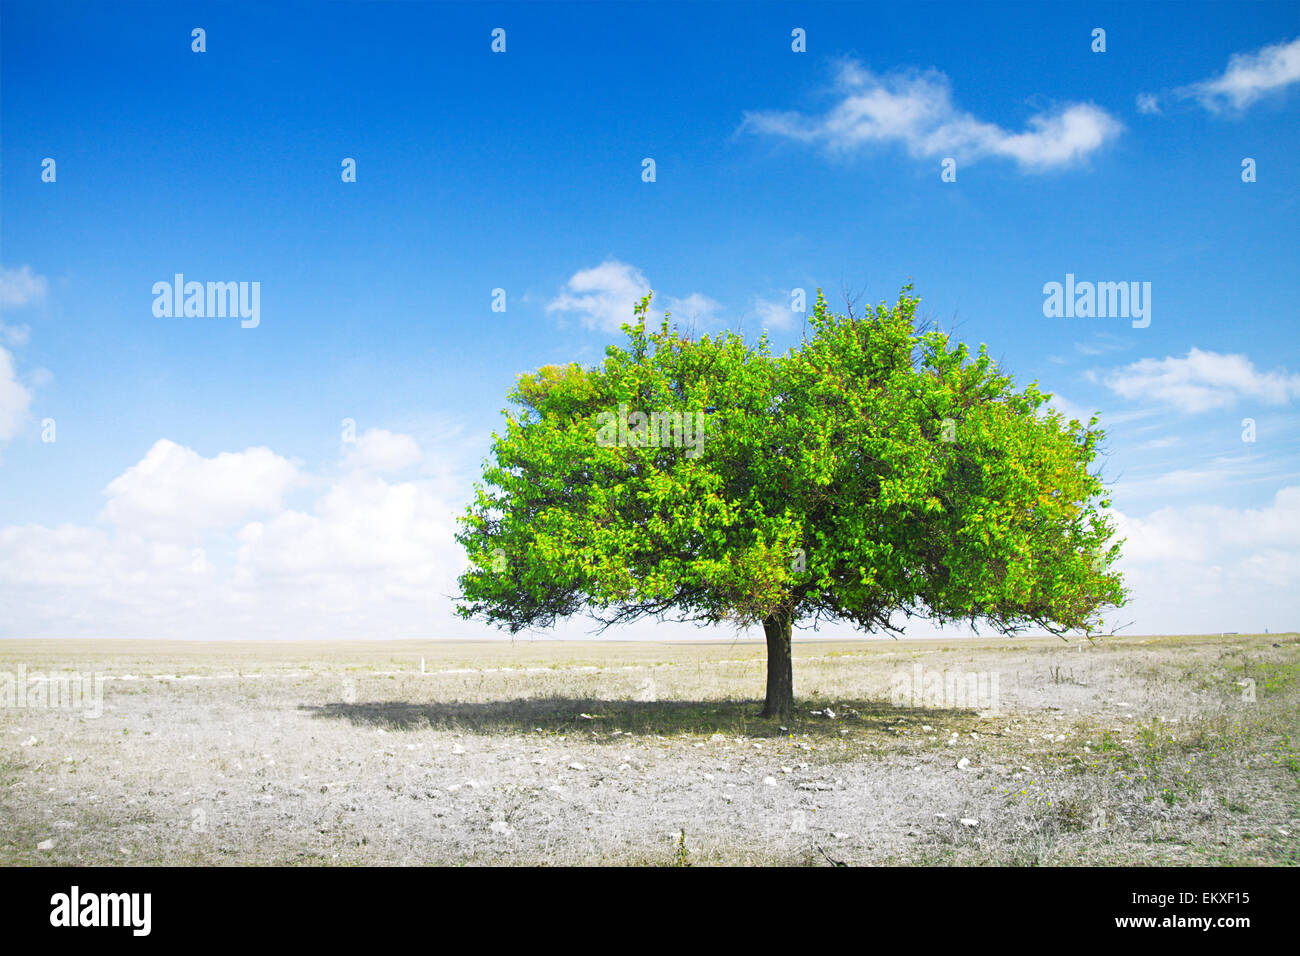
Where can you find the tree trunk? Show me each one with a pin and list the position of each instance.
(780, 669)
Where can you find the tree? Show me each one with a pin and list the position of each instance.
(874, 472)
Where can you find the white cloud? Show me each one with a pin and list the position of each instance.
(1148, 103)
(20, 288)
(915, 108)
(1102, 343)
(1201, 533)
(1202, 381)
(1181, 482)
(173, 492)
(1248, 78)
(15, 334)
(775, 313)
(14, 398)
(1169, 441)
(365, 541)
(695, 308)
(383, 452)
(180, 557)
(1069, 410)
(1206, 568)
(604, 297)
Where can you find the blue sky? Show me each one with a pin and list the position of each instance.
(198, 484)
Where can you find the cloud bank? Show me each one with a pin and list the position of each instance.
(1202, 381)
(603, 297)
(915, 109)
(1248, 78)
(189, 546)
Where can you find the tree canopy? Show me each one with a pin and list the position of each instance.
(875, 472)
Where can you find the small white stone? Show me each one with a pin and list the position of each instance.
(969, 822)
(769, 781)
(45, 845)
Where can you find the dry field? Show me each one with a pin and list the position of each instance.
(1126, 751)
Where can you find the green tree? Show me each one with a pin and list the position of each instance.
(874, 473)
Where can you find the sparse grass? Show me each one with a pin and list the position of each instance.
(1134, 750)
(1060, 675)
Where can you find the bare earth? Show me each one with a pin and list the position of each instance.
(1129, 750)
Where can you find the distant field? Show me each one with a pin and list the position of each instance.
(1153, 750)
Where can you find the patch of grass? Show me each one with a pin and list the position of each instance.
(1060, 675)
(681, 855)
(1074, 814)
(9, 769)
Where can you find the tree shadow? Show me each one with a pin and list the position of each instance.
(600, 719)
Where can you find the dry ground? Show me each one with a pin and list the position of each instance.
(1129, 750)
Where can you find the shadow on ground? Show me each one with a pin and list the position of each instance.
(601, 718)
